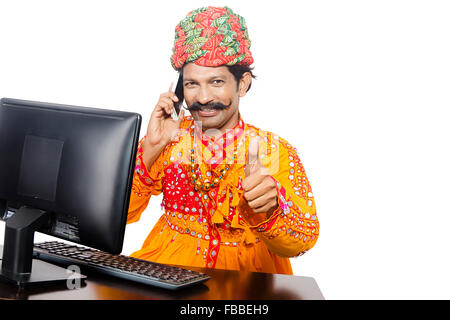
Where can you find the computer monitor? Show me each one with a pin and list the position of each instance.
(65, 171)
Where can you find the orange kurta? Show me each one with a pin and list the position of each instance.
(207, 228)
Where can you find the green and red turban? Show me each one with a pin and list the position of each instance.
(211, 37)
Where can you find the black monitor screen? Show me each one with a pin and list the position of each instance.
(74, 163)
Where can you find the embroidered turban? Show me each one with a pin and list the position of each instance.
(211, 37)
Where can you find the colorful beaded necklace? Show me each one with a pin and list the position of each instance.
(196, 180)
(212, 180)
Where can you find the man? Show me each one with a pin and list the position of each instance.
(235, 196)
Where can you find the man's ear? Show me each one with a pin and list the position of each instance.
(244, 84)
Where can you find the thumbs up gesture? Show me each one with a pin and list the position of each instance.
(260, 190)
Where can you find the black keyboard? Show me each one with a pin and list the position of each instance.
(143, 271)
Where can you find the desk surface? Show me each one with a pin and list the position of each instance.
(223, 285)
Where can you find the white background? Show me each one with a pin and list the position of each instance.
(360, 88)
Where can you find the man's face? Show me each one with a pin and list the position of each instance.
(213, 93)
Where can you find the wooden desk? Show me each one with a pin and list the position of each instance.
(223, 285)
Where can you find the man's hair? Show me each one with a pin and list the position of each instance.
(239, 70)
(236, 70)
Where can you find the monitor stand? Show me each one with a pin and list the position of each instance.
(17, 263)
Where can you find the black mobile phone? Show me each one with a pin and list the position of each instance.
(179, 92)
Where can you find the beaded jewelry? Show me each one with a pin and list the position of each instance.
(196, 180)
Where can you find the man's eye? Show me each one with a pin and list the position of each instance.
(217, 81)
(189, 84)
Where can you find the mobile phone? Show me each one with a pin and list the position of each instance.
(179, 92)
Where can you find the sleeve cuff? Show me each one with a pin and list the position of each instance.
(141, 169)
(282, 204)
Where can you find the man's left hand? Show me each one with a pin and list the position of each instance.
(260, 190)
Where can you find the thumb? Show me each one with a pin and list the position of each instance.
(176, 132)
(253, 156)
(180, 117)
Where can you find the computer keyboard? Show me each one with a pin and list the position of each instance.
(143, 271)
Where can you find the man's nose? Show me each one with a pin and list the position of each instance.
(204, 95)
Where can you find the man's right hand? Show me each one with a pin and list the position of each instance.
(161, 128)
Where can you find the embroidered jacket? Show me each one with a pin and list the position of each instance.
(206, 228)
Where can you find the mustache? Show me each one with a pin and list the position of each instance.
(196, 106)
